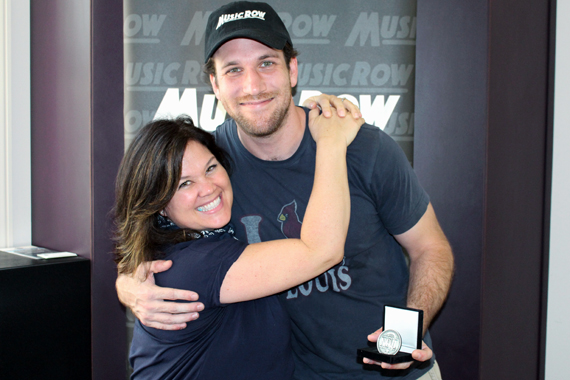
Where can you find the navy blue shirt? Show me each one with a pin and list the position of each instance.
(245, 340)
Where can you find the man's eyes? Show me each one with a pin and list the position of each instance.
(233, 70)
(236, 70)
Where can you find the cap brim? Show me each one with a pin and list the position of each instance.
(273, 41)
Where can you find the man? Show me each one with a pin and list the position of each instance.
(252, 68)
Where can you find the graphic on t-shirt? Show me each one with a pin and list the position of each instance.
(251, 224)
(290, 222)
(336, 279)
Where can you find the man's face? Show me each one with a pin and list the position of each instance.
(254, 85)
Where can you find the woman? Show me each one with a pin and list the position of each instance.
(174, 201)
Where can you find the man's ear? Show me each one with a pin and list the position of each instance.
(214, 85)
(293, 71)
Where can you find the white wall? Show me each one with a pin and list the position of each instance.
(558, 328)
(15, 149)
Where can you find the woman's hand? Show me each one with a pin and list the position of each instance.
(326, 103)
(334, 126)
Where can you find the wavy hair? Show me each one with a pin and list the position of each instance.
(147, 180)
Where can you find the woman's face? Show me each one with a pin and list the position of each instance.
(203, 200)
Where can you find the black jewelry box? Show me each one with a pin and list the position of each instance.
(409, 324)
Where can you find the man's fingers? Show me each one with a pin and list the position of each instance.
(424, 354)
(146, 270)
(160, 326)
(157, 294)
(174, 307)
(168, 321)
(152, 301)
(154, 306)
(168, 318)
(387, 365)
(174, 294)
(168, 315)
(158, 266)
(420, 355)
(396, 366)
(374, 336)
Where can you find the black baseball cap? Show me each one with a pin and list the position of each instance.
(245, 19)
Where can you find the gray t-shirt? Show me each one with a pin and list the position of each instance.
(333, 314)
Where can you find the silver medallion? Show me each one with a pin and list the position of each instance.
(389, 342)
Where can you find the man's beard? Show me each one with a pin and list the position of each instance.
(263, 125)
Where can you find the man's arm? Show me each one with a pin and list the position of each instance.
(431, 265)
(148, 301)
(431, 271)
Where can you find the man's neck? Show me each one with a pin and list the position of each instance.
(283, 143)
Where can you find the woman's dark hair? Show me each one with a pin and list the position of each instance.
(147, 180)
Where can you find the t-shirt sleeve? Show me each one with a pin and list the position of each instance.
(199, 266)
(400, 199)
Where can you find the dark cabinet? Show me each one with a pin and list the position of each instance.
(45, 318)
